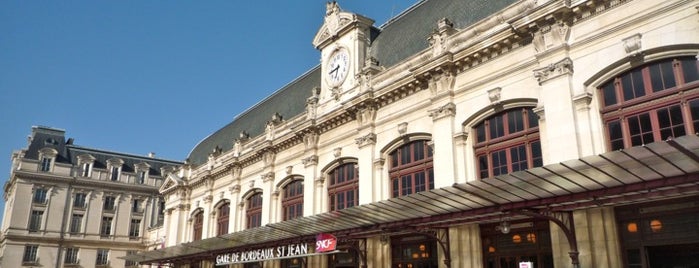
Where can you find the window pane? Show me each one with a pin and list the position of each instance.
(609, 93)
(638, 85)
(483, 166)
(694, 108)
(689, 69)
(396, 188)
(671, 122)
(406, 185)
(405, 155)
(480, 132)
(668, 75)
(418, 150)
(537, 159)
(420, 182)
(350, 198)
(499, 162)
(514, 121)
(496, 127)
(627, 87)
(519, 158)
(533, 118)
(615, 135)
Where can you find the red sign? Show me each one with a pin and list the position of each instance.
(325, 242)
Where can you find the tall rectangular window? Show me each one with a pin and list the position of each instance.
(30, 252)
(106, 228)
(85, 170)
(109, 203)
(141, 177)
(45, 164)
(135, 228)
(76, 223)
(115, 174)
(40, 196)
(102, 257)
(79, 201)
(130, 262)
(136, 206)
(71, 256)
(35, 220)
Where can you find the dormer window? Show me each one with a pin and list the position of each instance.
(114, 174)
(141, 177)
(86, 163)
(86, 170)
(142, 172)
(114, 166)
(47, 157)
(46, 164)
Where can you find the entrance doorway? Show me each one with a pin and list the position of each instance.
(674, 256)
(527, 241)
(660, 234)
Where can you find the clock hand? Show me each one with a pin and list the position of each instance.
(335, 69)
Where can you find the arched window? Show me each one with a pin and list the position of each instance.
(411, 169)
(198, 225)
(508, 142)
(652, 102)
(254, 210)
(222, 215)
(343, 188)
(292, 201)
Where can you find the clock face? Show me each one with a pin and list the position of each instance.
(338, 67)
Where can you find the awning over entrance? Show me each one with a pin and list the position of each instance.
(654, 171)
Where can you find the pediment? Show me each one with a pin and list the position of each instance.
(336, 23)
(172, 181)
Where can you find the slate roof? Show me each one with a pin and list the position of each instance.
(43, 137)
(396, 40)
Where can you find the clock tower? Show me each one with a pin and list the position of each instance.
(343, 41)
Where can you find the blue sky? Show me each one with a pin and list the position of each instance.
(150, 76)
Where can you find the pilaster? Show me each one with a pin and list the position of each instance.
(442, 137)
(555, 82)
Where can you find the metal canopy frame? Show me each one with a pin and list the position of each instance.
(655, 171)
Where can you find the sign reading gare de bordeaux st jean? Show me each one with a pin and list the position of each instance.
(325, 243)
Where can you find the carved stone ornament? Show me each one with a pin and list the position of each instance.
(632, 45)
(310, 161)
(494, 95)
(448, 109)
(312, 104)
(551, 36)
(337, 152)
(368, 139)
(289, 169)
(402, 128)
(234, 189)
(442, 82)
(366, 115)
(335, 93)
(268, 177)
(438, 39)
(563, 67)
(310, 140)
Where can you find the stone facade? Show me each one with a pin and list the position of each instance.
(75, 207)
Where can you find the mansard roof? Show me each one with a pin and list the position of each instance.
(68, 153)
(395, 41)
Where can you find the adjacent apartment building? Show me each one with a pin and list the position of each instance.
(74, 206)
(461, 133)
